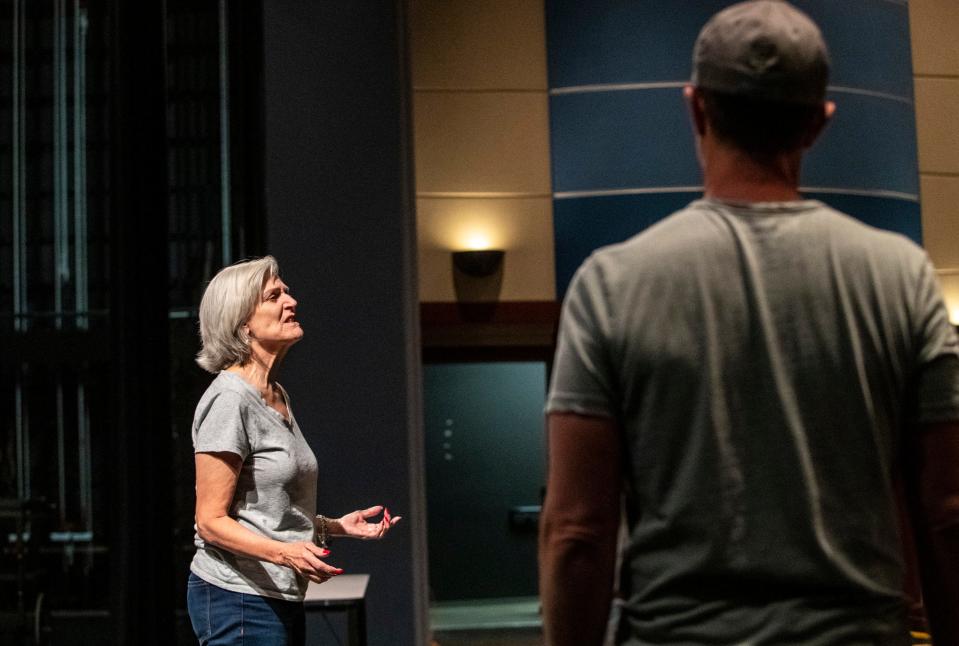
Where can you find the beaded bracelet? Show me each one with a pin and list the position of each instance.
(323, 537)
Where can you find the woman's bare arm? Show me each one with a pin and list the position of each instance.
(216, 477)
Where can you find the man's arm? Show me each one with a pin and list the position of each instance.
(578, 528)
(932, 483)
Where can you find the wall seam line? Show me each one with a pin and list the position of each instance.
(482, 195)
(654, 190)
(669, 85)
(477, 90)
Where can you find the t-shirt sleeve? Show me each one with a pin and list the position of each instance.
(937, 357)
(220, 425)
(582, 380)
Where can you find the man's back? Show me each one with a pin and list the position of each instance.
(760, 361)
(759, 376)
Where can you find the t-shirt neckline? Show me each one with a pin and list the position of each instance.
(287, 423)
(791, 206)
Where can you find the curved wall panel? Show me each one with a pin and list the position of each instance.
(622, 151)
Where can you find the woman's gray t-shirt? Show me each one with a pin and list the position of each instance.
(275, 492)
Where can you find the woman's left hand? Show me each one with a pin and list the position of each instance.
(355, 524)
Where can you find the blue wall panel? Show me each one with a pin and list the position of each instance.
(871, 144)
(623, 41)
(603, 140)
(869, 43)
(583, 224)
(634, 139)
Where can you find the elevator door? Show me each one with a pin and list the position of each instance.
(485, 453)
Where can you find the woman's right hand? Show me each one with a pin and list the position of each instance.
(305, 558)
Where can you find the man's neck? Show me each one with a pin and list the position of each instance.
(733, 176)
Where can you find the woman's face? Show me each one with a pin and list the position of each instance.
(274, 319)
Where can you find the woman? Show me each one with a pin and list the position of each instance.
(256, 528)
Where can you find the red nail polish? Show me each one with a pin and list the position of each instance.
(325, 552)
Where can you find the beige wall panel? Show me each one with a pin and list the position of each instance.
(935, 36)
(937, 125)
(487, 44)
(950, 289)
(481, 142)
(940, 220)
(523, 227)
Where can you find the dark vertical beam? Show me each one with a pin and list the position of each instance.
(339, 204)
(245, 34)
(141, 542)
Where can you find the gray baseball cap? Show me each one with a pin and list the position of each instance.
(763, 49)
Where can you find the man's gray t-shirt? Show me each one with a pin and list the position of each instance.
(275, 493)
(764, 361)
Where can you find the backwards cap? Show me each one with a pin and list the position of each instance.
(762, 49)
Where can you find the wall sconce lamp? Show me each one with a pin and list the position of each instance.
(478, 264)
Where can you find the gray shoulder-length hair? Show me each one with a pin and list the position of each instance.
(228, 303)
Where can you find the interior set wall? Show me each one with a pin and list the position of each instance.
(482, 142)
(482, 148)
(935, 56)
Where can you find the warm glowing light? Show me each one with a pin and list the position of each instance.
(474, 225)
(949, 280)
(476, 241)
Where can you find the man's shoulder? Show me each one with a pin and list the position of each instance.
(701, 238)
(848, 233)
(699, 226)
(678, 229)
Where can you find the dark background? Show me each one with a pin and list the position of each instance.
(143, 145)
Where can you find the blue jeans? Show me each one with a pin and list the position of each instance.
(224, 618)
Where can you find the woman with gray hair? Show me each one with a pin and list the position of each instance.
(259, 541)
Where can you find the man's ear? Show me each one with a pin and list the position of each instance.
(697, 112)
(828, 110)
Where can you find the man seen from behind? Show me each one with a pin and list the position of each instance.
(752, 378)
